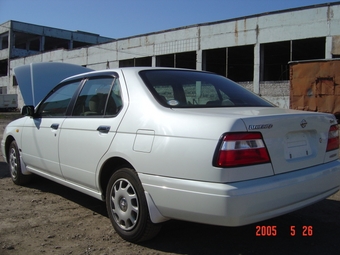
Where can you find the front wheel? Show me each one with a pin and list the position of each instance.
(14, 165)
(127, 207)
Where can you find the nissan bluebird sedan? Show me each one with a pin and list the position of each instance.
(160, 143)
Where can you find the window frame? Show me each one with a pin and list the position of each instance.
(104, 115)
(54, 90)
(81, 79)
(237, 96)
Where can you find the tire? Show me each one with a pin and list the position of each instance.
(127, 207)
(14, 165)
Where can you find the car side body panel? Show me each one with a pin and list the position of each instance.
(81, 146)
(80, 164)
(172, 150)
(37, 155)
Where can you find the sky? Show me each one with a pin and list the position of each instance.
(124, 18)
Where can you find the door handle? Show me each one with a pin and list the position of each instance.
(55, 126)
(104, 129)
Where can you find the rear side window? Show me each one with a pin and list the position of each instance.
(100, 96)
(191, 89)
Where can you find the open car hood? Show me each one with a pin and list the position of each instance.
(38, 79)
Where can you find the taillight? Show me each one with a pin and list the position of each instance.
(240, 149)
(333, 138)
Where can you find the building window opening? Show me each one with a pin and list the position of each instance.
(215, 61)
(166, 60)
(186, 60)
(3, 68)
(4, 42)
(178, 60)
(127, 63)
(241, 63)
(52, 43)
(77, 44)
(23, 40)
(307, 49)
(15, 82)
(34, 45)
(147, 61)
(274, 61)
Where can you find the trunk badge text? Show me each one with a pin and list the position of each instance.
(264, 126)
(303, 123)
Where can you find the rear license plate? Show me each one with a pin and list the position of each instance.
(297, 146)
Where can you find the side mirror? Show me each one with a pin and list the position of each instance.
(28, 110)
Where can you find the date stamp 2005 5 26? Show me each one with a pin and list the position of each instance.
(293, 231)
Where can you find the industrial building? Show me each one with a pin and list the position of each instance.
(253, 50)
(19, 40)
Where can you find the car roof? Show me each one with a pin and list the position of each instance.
(115, 71)
(36, 80)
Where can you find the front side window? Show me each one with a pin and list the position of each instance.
(99, 97)
(191, 89)
(57, 103)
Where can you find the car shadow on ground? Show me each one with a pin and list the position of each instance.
(45, 185)
(311, 230)
(316, 230)
(4, 170)
(296, 233)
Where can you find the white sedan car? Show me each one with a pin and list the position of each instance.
(161, 143)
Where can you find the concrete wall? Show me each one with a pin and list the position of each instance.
(309, 22)
(276, 92)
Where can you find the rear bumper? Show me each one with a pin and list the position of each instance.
(245, 202)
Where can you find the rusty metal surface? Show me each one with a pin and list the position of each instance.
(315, 86)
(336, 45)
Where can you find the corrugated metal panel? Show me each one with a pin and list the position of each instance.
(315, 85)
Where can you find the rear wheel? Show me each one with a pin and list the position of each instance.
(127, 207)
(14, 165)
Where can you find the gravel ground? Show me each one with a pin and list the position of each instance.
(47, 218)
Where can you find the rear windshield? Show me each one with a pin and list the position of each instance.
(191, 89)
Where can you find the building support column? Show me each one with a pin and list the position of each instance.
(226, 61)
(328, 47)
(199, 59)
(70, 44)
(257, 63)
(42, 44)
(153, 61)
(11, 43)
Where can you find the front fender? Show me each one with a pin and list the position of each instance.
(12, 132)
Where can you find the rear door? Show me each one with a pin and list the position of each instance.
(87, 134)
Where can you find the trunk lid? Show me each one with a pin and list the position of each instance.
(296, 140)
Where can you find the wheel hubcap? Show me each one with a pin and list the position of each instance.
(124, 204)
(13, 163)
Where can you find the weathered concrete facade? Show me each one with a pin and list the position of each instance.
(253, 50)
(19, 40)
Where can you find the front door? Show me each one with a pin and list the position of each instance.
(40, 136)
(87, 134)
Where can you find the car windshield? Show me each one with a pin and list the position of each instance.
(191, 89)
